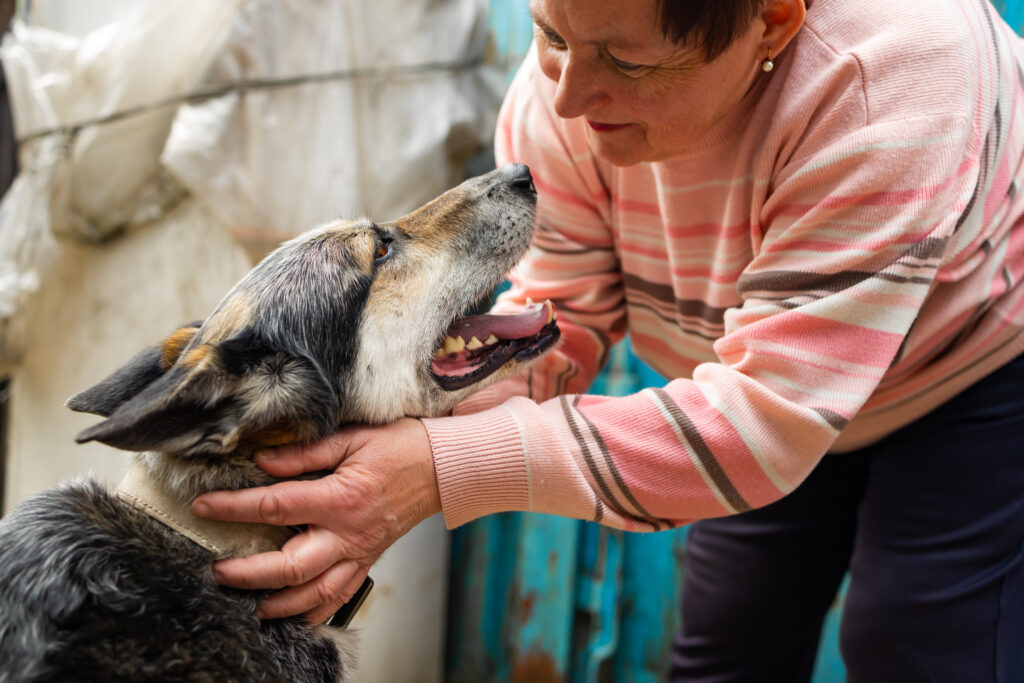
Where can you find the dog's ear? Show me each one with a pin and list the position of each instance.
(141, 371)
(221, 396)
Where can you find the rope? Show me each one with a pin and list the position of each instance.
(70, 131)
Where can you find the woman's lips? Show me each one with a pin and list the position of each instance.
(606, 127)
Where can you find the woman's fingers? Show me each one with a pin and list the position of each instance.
(381, 486)
(286, 503)
(326, 611)
(300, 560)
(295, 459)
(317, 599)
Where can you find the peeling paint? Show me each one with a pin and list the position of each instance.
(536, 667)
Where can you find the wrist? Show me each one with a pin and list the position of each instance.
(431, 494)
(425, 496)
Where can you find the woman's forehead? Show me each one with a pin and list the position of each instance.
(627, 24)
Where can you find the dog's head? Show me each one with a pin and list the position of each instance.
(351, 322)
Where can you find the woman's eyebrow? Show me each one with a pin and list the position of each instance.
(540, 22)
(617, 43)
(551, 33)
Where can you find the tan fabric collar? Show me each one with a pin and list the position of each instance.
(142, 490)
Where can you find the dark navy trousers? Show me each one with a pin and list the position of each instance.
(929, 523)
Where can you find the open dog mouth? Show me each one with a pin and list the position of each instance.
(476, 346)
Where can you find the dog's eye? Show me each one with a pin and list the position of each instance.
(382, 250)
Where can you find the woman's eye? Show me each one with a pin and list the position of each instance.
(626, 66)
(551, 37)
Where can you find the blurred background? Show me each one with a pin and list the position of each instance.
(152, 151)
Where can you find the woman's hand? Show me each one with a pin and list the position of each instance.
(382, 485)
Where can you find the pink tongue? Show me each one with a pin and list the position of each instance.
(455, 365)
(517, 326)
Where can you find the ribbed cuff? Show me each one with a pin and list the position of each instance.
(479, 464)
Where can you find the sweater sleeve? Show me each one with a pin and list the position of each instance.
(848, 243)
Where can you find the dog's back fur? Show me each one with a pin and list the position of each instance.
(106, 593)
(339, 325)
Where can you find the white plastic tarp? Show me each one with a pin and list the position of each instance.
(94, 180)
(403, 101)
(304, 110)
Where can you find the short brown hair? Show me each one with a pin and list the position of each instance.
(710, 25)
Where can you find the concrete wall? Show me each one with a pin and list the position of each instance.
(96, 309)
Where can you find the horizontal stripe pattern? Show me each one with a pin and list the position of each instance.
(846, 258)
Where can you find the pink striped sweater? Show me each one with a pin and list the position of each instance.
(840, 255)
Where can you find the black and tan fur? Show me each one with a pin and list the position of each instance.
(336, 326)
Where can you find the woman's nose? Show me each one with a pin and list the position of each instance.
(577, 88)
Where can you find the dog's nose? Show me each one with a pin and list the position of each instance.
(518, 176)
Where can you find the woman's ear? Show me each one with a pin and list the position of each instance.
(782, 20)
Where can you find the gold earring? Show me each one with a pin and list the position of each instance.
(767, 65)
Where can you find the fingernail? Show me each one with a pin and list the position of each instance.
(266, 455)
(201, 509)
(218, 578)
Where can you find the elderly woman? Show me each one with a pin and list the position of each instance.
(809, 216)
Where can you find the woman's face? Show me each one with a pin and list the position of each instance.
(644, 98)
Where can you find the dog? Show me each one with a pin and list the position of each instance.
(352, 322)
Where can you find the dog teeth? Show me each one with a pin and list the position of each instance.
(529, 301)
(457, 344)
(453, 345)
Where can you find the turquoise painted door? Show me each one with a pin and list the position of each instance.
(540, 598)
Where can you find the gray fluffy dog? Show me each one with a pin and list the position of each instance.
(351, 322)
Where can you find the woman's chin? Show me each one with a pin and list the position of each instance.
(619, 148)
